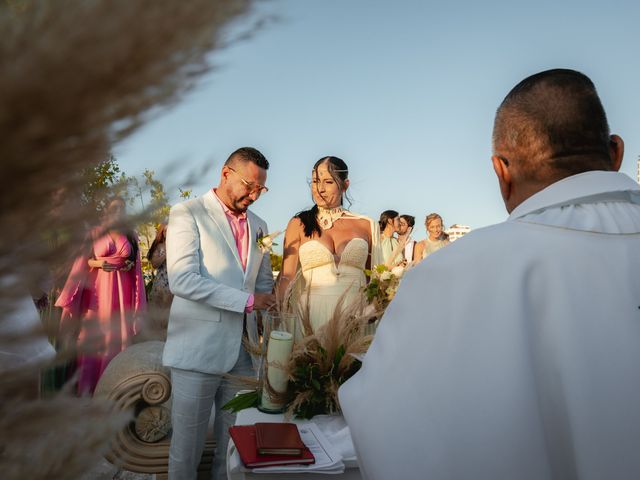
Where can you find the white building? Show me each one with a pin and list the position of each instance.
(456, 231)
(638, 174)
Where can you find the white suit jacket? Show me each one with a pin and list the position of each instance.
(211, 289)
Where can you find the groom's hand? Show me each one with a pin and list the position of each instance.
(263, 301)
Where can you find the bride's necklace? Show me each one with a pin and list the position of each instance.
(327, 216)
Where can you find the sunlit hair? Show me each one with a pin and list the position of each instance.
(339, 172)
(385, 217)
(434, 216)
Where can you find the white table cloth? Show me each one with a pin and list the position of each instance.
(333, 427)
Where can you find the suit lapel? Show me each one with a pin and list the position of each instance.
(213, 207)
(253, 247)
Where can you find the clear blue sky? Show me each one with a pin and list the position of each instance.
(405, 92)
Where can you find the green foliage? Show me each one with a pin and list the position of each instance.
(382, 286)
(309, 379)
(276, 262)
(159, 200)
(372, 289)
(243, 401)
(147, 194)
(102, 181)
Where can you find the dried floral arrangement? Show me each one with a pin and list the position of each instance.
(319, 363)
(324, 360)
(383, 285)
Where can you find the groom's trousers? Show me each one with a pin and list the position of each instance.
(195, 394)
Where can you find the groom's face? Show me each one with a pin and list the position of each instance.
(242, 185)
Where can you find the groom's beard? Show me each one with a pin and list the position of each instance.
(242, 204)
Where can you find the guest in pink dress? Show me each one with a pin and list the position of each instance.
(103, 296)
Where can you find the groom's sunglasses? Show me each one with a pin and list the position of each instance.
(251, 187)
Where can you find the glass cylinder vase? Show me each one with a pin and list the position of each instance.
(278, 337)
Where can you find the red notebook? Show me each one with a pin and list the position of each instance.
(278, 439)
(244, 437)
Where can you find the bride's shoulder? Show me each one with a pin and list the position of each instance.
(294, 226)
(295, 222)
(362, 220)
(357, 216)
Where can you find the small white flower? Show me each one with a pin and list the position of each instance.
(398, 271)
(386, 275)
(265, 242)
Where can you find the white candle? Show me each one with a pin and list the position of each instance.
(278, 352)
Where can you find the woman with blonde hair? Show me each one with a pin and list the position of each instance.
(436, 237)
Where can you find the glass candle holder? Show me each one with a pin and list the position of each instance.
(278, 337)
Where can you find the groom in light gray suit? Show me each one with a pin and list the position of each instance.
(218, 276)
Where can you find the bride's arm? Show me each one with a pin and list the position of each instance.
(290, 257)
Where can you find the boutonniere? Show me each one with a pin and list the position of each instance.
(265, 242)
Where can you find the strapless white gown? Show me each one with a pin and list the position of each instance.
(325, 282)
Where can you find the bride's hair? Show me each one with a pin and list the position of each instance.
(339, 172)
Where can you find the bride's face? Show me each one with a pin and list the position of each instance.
(325, 190)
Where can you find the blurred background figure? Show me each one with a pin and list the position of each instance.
(389, 226)
(436, 238)
(160, 296)
(103, 295)
(404, 236)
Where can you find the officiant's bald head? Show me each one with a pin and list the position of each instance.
(550, 126)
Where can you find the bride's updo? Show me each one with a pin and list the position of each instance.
(339, 172)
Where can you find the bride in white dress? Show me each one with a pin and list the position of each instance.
(328, 247)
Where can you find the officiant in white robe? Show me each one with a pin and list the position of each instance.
(521, 359)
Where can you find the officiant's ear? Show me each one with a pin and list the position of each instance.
(616, 151)
(501, 167)
(346, 184)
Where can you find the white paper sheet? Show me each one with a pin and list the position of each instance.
(328, 460)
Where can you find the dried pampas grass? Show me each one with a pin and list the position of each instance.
(320, 362)
(75, 77)
(66, 436)
(327, 358)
